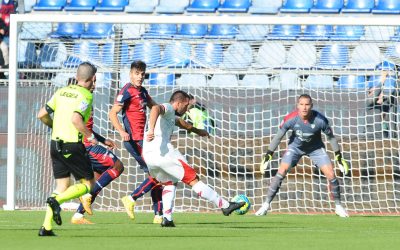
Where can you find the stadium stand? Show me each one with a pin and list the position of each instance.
(223, 31)
(50, 5)
(238, 56)
(348, 33)
(161, 79)
(108, 54)
(352, 81)
(176, 54)
(172, 6)
(358, 6)
(297, 6)
(161, 31)
(148, 52)
(83, 51)
(387, 7)
(111, 5)
(68, 30)
(252, 32)
(27, 56)
(208, 54)
(203, 6)
(52, 55)
(366, 56)
(140, 6)
(258, 81)
(270, 55)
(285, 32)
(265, 6)
(81, 5)
(98, 31)
(317, 32)
(192, 80)
(327, 6)
(302, 55)
(192, 31)
(224, 80)
(234, 6)
(318, 81)
(334, 56)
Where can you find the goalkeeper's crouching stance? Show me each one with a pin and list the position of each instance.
(306, 125)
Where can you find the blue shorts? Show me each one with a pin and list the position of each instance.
(135, 149)
(319, 157)
(101, 158)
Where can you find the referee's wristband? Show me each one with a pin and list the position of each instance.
(91, 137)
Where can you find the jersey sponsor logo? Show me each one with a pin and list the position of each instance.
(119, 97)
(68, 94)
(83, 106)
(304, 137)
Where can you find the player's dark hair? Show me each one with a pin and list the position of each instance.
(72, 81)
(138, 65)
(179, 95)
(304, 96)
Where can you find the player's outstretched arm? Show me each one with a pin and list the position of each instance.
(45, 117)
(342, 163)
(272, 147)
(190, 128)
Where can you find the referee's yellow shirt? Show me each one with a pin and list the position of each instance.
(64, 103)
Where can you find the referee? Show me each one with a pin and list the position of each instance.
(71, 107)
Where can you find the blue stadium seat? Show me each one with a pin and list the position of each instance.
(50, 5)
(68, 30)
(176, 54)
(265, 6)
(140, 6)
(359, 6)
(27, 55)
(108, 52)
(297, 6)
(387, 7)
(271, 55)
(148, 52)
(327, 6)
(161, 79)
(161, 31)
(223, 31)
(302, 55)
(334, 56)
(352, 81)
(252, 32)
(98, 31)
(81, 5)
(256, 81)
(238, 56)
(28, 5)
(317, 32)
(285, 32)
(203, 6)
(208, 54)
(112, 5)
(81, 52)
(172, 6)
(365, 56)
(52, 55)
(235, 6)
(318, 81)
(348, 33)
(386, 65)
(192, 31)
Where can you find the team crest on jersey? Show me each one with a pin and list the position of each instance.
(119, 97)
(83, 106)
(312, 125)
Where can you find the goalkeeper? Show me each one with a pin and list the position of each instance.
(306, 125)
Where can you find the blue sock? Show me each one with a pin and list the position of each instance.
(156, 197)
(144, 187)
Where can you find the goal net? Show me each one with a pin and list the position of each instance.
(247, 72)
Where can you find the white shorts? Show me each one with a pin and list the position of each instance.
(168, 167)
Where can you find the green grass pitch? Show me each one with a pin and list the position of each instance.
(113, 230)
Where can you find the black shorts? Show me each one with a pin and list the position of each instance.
(72, 159)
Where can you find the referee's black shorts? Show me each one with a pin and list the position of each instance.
(72, 159)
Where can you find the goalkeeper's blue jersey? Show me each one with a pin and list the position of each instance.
(306, 135)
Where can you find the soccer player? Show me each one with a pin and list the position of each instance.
(71, 107)
(307, 125)
(167, 164)
(132, 100)
(106, 167)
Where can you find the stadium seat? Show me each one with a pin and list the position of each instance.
(81, 5)
(112, 5)
(50, 5)
(352, 81)
(192, 80)
(285, 32)
(27, 55)
(161, 31)
(203, 6)
(192, 31)
(396, 36)
(358, 6)
(172, 6)
(98, 31)
(238, 56)
(52, 55)
(176, 54)
(255, 81)
(285, 81)
(140, 6)
(297, 6)
(28, 5)
(327, 6)
(35, 31)
(302, 55)
(81, 52)
(317, 32)
(265, 6)
(334, 56)
(148, 52)
(68, 30)
(223, 31)
(393, 53)
(252, 32)
(108, 53)
(224, 80)
(386, 65)
(161, 79)
(208, 55)
(387, 7)
(348, 33)
(318, 82)
(379, 33)
(132, 31)
(271, 55)
(234, 6)
(365, 56)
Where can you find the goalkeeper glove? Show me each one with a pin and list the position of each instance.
(343, 166)
(267, 157)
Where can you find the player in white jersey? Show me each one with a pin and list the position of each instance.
(167, 164)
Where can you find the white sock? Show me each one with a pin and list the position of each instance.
(208, 193)
(168, 198)
(78, 215)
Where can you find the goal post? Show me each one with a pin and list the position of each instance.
(247, 79)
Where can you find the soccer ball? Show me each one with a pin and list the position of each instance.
(244, 209)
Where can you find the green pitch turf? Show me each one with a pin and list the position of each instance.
(19, 229)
